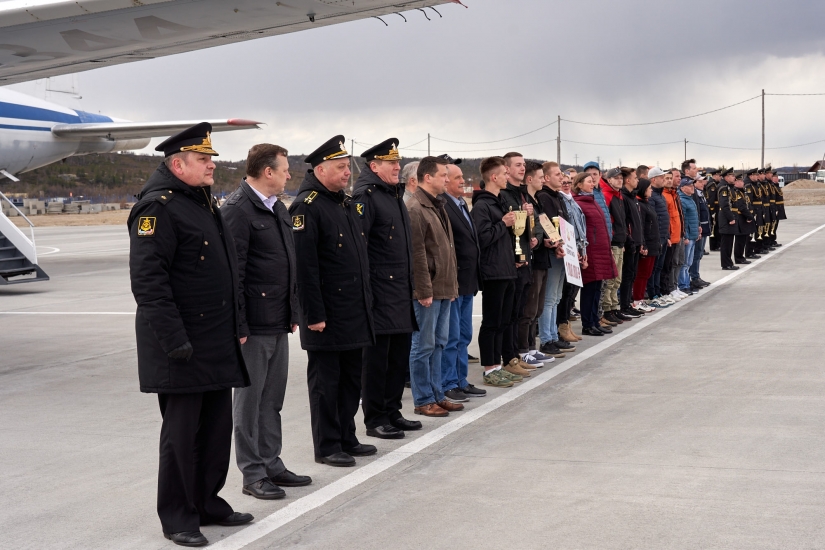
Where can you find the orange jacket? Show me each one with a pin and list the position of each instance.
(674, 209)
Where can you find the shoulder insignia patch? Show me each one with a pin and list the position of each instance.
(359, 207)
(724, 193)
(298, 222)
(146, 226)
(309, 199)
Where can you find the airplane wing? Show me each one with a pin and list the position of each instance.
(138, 130)
(43, 38)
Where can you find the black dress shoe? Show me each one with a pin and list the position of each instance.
(385, 432)
(592, 331)
(743, 261)
(290, 479)
(471, 359)
(605, 330)
(730, 268)
(263, 489)
(407, 425)
(187, 538)
(236, 518)
(753, 256)
(362, 450)
(338, 459)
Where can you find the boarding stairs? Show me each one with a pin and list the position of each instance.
(18, 255)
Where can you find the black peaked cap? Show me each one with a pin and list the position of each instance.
(196, 139)
(332, 149)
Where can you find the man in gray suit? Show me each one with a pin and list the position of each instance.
(262, 230)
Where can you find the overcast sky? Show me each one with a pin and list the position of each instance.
(502, 68)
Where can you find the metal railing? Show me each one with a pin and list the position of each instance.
(20, 213)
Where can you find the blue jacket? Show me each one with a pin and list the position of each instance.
(691, 213)
(602, 202)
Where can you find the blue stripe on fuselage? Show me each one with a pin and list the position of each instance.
(15, 127)
(25, 112)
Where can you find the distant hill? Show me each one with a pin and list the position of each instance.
(117, 177)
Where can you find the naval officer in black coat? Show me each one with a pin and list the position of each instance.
(182, 265)
(335, 301)
(379, 201)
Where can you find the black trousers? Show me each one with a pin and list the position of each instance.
(195, 441)
(382, 379)
(509, 342)
(753, 246)
(716, 239)
(740, 242)
(334, 383)
(630, 266)
(665, 284)
(726, 249)
(496, 304)
(589, 304)
(568, 298)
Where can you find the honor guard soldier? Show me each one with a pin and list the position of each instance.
(780, 205)
(745, 219)
(712, 197)
(727, 218)
(379, 202)
(182, 265)
(769, 207)
(335, 301)
(754, 195)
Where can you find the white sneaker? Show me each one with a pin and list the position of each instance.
(668, 299)
(675, 296)
(683, 294)
(644, 307)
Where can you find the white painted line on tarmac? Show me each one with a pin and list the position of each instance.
(67, 313)
(52, 250)
(325, 494)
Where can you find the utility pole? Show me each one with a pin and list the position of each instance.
(428, 144)
(599, 162)
(762, 164)
(558, 140)
(576, 157)
(351, 162)
(685, 148)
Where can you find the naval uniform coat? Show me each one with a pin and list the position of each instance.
(333, 269)
(182, 265)
(386, 226)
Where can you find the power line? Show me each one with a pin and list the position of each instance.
(796, 94)
(665, 121)
(757, 148)
(481, 150)
(495, 140)
(622, 144)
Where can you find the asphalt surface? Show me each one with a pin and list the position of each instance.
(701, 430)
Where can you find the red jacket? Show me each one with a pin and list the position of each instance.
(600, 264)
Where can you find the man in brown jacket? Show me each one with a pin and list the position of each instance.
(436, 285)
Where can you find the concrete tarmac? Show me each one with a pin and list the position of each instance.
(703, 430)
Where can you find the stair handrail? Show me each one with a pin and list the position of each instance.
(28, 221)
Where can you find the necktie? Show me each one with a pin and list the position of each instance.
(466, 212)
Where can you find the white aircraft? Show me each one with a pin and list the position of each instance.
(45, 38)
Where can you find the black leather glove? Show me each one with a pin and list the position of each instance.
(182, 352)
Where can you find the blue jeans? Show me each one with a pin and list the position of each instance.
(427, 346)
(548, 330)
(698, 252)
(454, 364)
(684, 276)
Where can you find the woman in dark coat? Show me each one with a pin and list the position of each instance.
(651, 247)
(597, 262)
